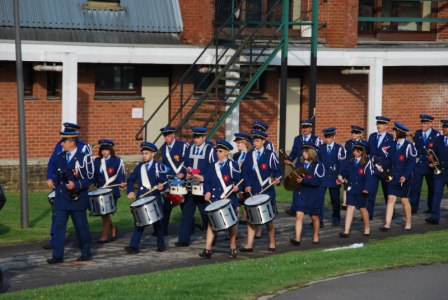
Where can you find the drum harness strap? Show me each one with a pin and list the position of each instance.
(170, 160)
(225, 188)
(195, 157)
(257, 171)
(106, 175)
(145, 178)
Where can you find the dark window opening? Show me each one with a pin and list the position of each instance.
(28, 79)
(54, 85)
(116, 80)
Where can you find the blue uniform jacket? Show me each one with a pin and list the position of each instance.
(401, 162)
(359, 177)
(296, 151)
(230, 175)
(156, 175)
(113, 165)
(382, 150)
(82, 147)
(203, 161)
(268, 145)
(349, 147)
(442, 153)
(310, 194)
(267, 166)
(174, 159)
(422, 166)
(332, 163)
(80, 171)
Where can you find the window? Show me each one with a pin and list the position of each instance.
(113, 5)
(54, 85)
(28, 79)
(116, 80)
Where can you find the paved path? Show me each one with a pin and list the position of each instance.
(422, 282)
(24, 266)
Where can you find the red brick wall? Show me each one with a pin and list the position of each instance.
(197, 17)
(442, 28)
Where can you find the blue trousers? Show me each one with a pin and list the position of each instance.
(52, 226)
(138, 233)
(439, 186)
(79, 219)
(372, 194)
(187, 221)
(335, 197)
(416, 189)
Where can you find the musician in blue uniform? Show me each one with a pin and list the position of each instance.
(401, 162)
(307, 199)
(200, 158)
(109, 170)
(424, 140)
(439, 161)
(82, 147)
(379, 144)
(173, 153)
(221, 182)
(331, 155)
(357, 174)
(263, 127)
(73, 173)
(259, 167)
(150, 175)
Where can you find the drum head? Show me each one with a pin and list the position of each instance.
(52, 194)
(99, 192)
(143, 201)
(177, 182)
(256, 200)
(217, 205)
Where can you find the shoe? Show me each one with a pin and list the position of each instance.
(366, 234)
(161, 249)
(289, 212)
(84, 258)
(114, 237)
(206, 253)
(181, 244)
(131, 250)
(102, 241)
(271, 249)
(294, 242)
(343, 235)
(47, 246)
(432, 221)
(407, 229)
(55, 260)
(232, 253)
(315, 243)
(246, 249)
(384, 229)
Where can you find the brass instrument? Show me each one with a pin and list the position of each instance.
(432, 157)
(290, 183)
(386, 173)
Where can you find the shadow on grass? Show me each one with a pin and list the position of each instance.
(4, 229)
(40, 217)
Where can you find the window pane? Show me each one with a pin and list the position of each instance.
(54, 80)
(366, 9)
(405, 9)
(116, 80)
(28, 78)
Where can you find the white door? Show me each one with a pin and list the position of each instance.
(292, 112)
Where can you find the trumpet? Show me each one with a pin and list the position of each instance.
(432, 157)
(290, 183)
(386, 173)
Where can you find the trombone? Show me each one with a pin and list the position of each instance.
(432, 157)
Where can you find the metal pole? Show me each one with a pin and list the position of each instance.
(313, 62)
(284, 77)
(21, 109)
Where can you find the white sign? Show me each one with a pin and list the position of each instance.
(137, 113)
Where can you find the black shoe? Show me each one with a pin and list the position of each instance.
(161, 249)
(246, 249)
(206, 253)
(131, 250)
(384, 229)
(232, 253)
(294, 242)
(102, 241)
(343, 235)
(407, 229)
(366, 234)
(55, 260)
(47, 246)
(271, 249)
(432, 221)
(290, 212)
(84, 258)
(315, 243)
(181, 244)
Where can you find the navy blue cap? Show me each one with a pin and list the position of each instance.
(426, 118)
(382, 120)
(360, 144)
(400, 127)
(444, 123)
(306, 123)
(258, 134)
(260, 125)
(239, 136)
(329, 131)
(106, 142)
(357, 129)
(309, 145)
(69, 134)
(223, 144)
(71, 127)
(148, 146)
(167, 130)
(199, 131)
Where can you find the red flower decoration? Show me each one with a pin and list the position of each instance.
(264, 166)
(110, 171)
(430, 145)
(226, 178)
(361, 171)
(401, 157)
(309, 176)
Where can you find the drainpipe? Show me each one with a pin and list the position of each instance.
(39, 68)
(354, 71)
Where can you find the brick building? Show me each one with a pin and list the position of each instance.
(121, 58)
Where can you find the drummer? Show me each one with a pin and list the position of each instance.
(173, 157)
(258, 168)
(220, 183)
(148, 174)
(263, 127)
(109, 170)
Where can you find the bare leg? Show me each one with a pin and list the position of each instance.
(299, 225)
(232, 234)
(365, 218)
(344, 198)
(258, 229)
(390, 210)
(407, 212)
(271, 234)
(106, 225)
(316, 226)
(209, 238)
(349, 218)
(250, 236)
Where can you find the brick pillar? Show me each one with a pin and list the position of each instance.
(198, 17)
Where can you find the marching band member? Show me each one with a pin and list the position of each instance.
(259, 166)
(424, 140)
(109, 170)
(200, 157)
(401, 161)
(219, 181)
(307, 199)
(173, 152)
(148, 174)
(441, 177)
(263, 127)
(357, 173)
(73, 173)
(331, 155)
(379, 144)
(82, 147)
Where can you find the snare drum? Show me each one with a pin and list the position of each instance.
(102, 202)
(178, 187)
(197, 188)
(259, 209)
(51, 198)
(146, 211)
(221, 215)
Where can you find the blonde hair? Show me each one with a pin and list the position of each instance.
(312, 155)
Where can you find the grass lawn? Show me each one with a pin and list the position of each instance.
(247, 279)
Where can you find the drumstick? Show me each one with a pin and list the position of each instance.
(110, 186)
(231, 190)
(151, 190)
(272, 183)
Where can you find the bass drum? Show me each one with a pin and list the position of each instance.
(259, 209)
(221, 215)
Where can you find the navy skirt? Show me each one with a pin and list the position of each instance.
(356, 200)
(399, 191)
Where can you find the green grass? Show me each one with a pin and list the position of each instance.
(247, 279)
